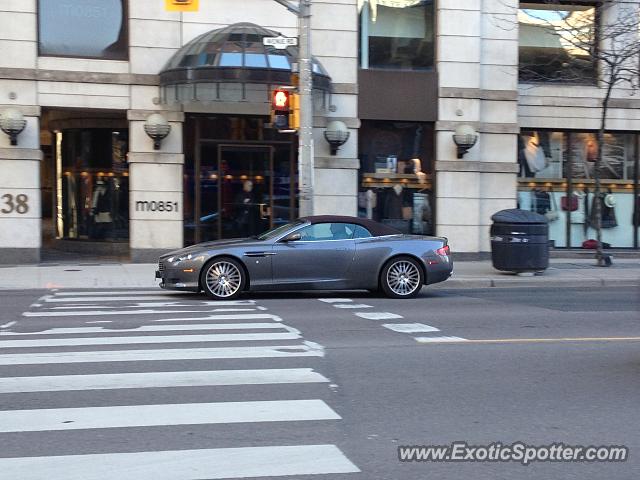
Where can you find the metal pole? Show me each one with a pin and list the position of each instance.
(305, 134)
(305, 87)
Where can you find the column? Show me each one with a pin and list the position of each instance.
(477, 48)
(335, 44)
(20, 199)
(155, 188)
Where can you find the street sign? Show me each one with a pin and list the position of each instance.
(280, 42)
(181, 5)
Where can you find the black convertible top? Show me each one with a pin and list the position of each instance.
(376, 229)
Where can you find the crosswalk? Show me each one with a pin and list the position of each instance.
(408, 328)
(81, 367)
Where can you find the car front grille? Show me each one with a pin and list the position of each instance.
(161, 267)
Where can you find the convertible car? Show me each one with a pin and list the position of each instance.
(321, 252)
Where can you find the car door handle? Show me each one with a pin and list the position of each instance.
(259, 254)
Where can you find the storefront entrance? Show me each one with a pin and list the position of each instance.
(85, 184)
(237, 188)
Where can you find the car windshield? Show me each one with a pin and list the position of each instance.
(274, 232)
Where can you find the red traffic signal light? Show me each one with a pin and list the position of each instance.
(280, 100)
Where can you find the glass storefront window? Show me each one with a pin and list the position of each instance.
(554, 43)
(557, 180)
(397, 34)
(395, 175)
(239, 177)
(93, 184)
(83, 28)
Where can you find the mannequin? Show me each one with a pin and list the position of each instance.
(101, 209)
(370, 198)
(246, 213)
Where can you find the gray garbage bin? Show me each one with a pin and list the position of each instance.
(519, 241)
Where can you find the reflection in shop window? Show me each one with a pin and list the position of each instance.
(83, 28)
(555, 41)
(396, 34)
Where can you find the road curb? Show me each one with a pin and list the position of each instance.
(537, 282)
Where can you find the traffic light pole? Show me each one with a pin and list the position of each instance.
(305, 87)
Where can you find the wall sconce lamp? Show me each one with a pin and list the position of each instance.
(12, 122)
(157, 127)
(465, 137)
(336, 134)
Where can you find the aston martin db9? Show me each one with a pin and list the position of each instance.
(312, 253)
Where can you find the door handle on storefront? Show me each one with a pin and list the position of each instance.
(259, 254)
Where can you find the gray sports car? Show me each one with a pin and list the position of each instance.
(321, 252)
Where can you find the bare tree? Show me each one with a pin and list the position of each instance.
(601, 41)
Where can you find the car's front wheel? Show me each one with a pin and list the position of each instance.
(223, 279)
(401, 277)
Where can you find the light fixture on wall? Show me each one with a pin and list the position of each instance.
(12, 122)
(465, 137)
(157, 127)
(336, 134)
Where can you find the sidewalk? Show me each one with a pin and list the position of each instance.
(563, 272)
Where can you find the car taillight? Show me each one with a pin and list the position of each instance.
(443, 251)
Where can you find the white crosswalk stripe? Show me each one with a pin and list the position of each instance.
(135, 298)
(109, 333)
(444, 339)
(216, 337)
(272, 461)
(162, 354)
(40, 420)
(410, 327)
(96, 313)
(155, 328)
(107, 381)
(157, 292)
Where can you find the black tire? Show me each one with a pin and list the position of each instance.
(401, 277)
(223, 278)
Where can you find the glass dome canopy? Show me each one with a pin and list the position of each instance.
(235, 58)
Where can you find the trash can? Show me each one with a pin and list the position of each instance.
(519, 241)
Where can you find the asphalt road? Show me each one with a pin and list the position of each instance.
(313, 385)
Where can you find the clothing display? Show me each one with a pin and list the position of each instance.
(607, 215)
(540, 201)
(393, 203)
(534, 153)
(579, 206)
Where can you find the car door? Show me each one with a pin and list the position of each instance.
(323, 255)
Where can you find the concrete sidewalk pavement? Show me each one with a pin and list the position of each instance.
(467, 274)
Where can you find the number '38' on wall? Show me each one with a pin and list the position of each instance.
(14, 203)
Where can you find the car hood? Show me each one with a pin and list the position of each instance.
(199, 247)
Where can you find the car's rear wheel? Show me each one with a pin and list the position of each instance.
(401, 277)
(223, 278)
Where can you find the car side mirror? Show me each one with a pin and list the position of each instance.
(293, 237)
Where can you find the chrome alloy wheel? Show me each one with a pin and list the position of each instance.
(403, 278)
(223, 279)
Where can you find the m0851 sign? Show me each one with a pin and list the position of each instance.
(156, 206)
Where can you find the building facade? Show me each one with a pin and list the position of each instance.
(402, 75)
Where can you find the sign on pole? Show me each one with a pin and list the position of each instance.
(280, 42)
(181, 5)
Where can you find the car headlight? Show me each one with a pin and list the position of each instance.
(180, 258)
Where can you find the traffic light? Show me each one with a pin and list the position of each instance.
(294, 111)
(280, 105)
